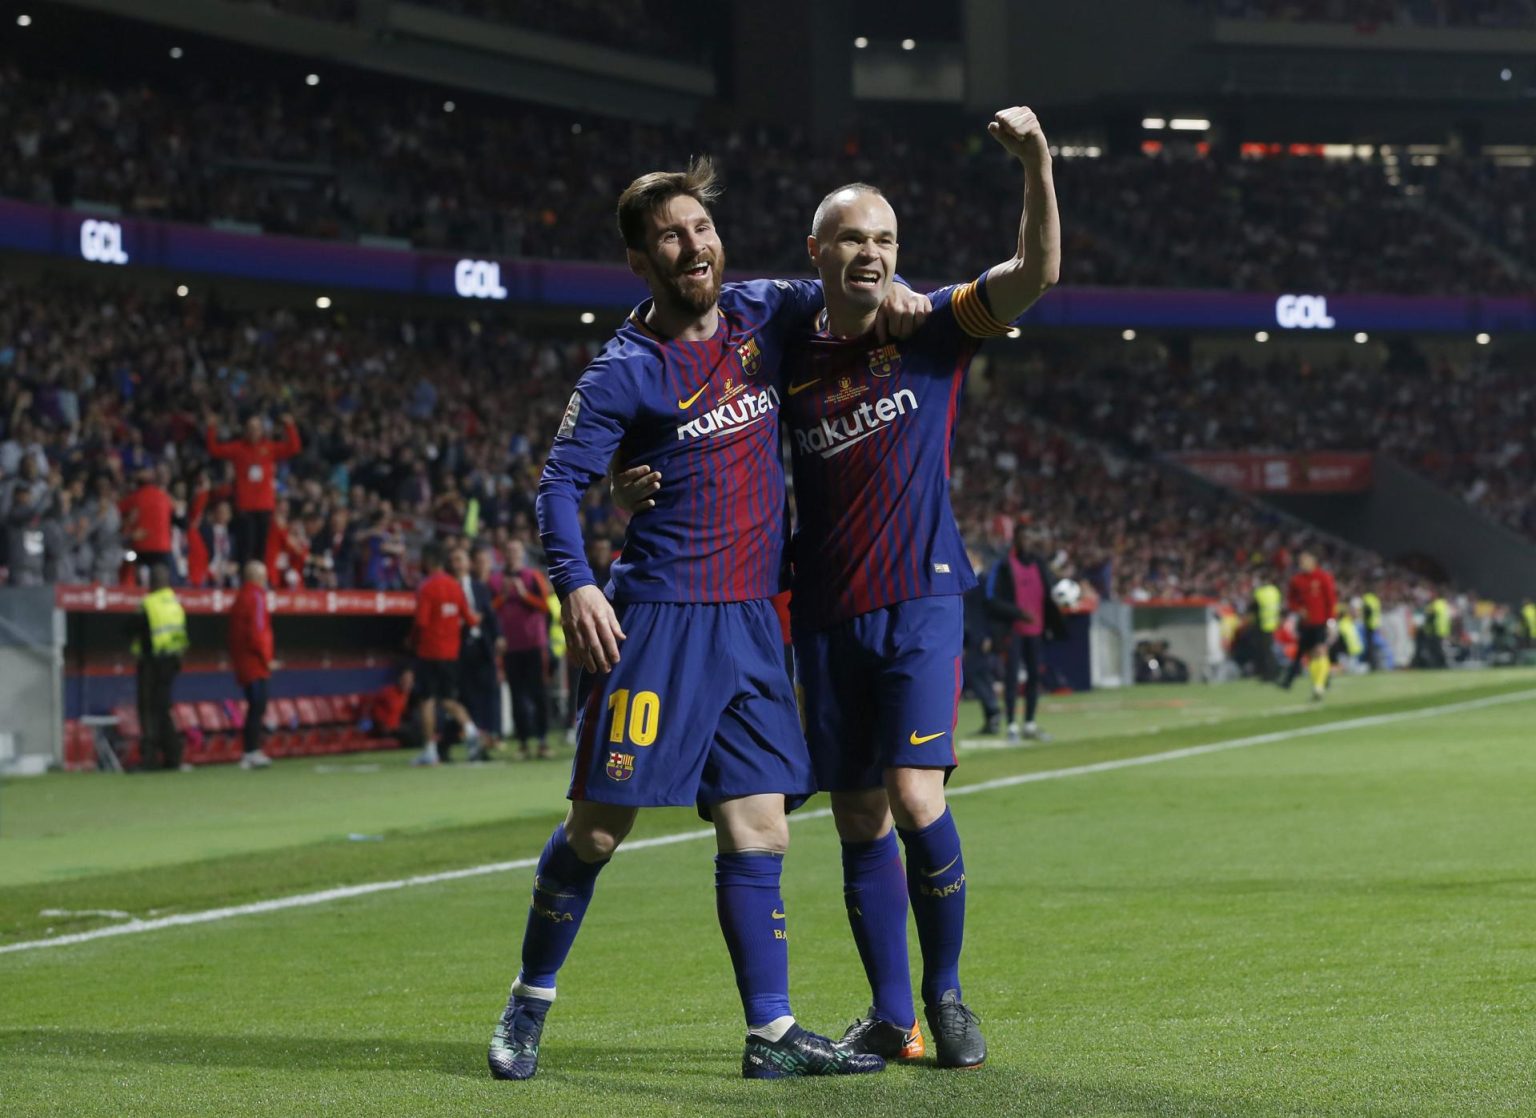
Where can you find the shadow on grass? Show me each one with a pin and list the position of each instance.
(322, 1053)
(637, 1080)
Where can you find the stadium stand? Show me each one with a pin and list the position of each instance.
(1369, 14)
(414, 419)
(348, 160)
(1463, 423)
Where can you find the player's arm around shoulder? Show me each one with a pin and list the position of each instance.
(1015, 284)
(796, 303)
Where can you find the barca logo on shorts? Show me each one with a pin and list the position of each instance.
(621, 766)
(883, 361)
(751, 357)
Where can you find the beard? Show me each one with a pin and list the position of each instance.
(679, 293)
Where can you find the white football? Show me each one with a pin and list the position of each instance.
(1066, 593)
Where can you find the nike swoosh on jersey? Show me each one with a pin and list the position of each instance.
(688, 403)
(803, 385)
(915, 740)
(935, 873)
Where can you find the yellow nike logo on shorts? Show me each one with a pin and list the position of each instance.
(688, 403)
(776, 914)
(915, 740)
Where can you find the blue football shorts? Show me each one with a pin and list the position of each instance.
(698, 709)
(881, 690)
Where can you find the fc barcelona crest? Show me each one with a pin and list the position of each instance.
(621, 766)
(751, 357)
(883, 361)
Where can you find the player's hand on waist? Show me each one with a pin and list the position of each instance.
(633, 488)
(591, 629)
(902, 313)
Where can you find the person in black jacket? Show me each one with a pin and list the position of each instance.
(981, 650)
(1019, 597)
(479, 689)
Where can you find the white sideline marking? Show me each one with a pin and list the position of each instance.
(325, 896)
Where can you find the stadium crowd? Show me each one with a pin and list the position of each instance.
(1498, 201)
(340, 161)
(659, 27)
(1370, 14)
(1132, 529)
(409, 428)
(431, 428)
(1464, 423)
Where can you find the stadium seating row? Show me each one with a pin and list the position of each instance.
(296, 727)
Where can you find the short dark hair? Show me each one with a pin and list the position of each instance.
(651, 191)
(431, 554)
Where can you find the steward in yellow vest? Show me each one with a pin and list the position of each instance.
(159, 645)
(1370, 622)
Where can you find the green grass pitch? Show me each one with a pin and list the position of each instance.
(1336, 923)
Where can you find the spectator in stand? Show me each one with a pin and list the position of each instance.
(147, 524)
(25, 501)
(479, 687)
(287, 548)
(255, 459)
(1019, 595)
(441, 612)
(250, 651)
(218, 539)
(522, 596)
(332, 550)
(58, 526)
(101, 546)
(159, 642)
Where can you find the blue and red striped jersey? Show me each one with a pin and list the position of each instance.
(706, 415)
(871, 428)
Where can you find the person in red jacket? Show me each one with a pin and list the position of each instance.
(147, 523)
(250, 651)
(385, 710)
(255, 460)
(1314, 599)
(441, 612)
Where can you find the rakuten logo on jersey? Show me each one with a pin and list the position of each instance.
(733, 415)
(836, 434)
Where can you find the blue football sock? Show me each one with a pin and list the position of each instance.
(875, 891)
(751, 912)
(562, 889)
(936, 884)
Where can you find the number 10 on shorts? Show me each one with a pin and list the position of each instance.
(641, 716)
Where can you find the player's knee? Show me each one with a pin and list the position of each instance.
(596, 836)
(861, 816)
(593, 844)
(917, 798)
(736, 834)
